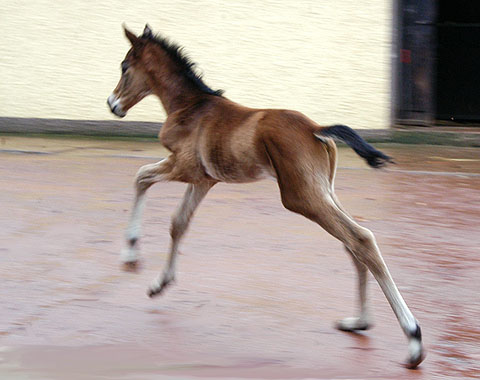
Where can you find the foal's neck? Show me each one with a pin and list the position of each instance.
(169, 82)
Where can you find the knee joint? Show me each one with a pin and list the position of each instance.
(363, 240)
(295, 205)
(143, 179)
(365, 237)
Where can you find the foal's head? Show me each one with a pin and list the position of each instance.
(133, 85)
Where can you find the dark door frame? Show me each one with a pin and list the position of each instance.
(413, 62)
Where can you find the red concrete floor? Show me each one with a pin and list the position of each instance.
(258, 288)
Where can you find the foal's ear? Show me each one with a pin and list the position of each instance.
(147, 32)
(131, 37)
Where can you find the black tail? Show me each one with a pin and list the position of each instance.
(374, 158)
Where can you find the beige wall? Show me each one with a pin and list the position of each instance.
(326, 58)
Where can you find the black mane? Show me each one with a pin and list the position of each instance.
(177, 54)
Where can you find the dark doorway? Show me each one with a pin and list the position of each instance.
(413, 62)
(436, 62)
(458, 61)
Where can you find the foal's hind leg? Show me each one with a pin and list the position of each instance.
(180, 221)
(146, 176)
(362, 245)
(364, 320)
(322, 209)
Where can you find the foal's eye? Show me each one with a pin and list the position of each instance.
(124, 67)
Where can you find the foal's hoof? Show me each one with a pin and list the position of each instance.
(352, 324)
(158, 287)
(131, 266)
(414, 362)
(129, 259)
(416, 354)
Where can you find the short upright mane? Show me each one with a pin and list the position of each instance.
(177, 54)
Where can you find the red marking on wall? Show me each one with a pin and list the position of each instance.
(405, 56)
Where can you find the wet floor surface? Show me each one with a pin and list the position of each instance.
(258, 288)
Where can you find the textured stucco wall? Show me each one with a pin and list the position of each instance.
(326, 58)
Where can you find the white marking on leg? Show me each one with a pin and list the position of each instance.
(146, 176)
(134, 227)
(130, 252)
(404, 315)
(414, 347)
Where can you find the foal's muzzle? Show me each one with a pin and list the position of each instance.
(115, 106)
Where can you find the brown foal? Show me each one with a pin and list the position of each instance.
(213, 139)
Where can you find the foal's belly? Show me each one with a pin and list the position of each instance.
(233, 170)
(235, 160)
(234, 152)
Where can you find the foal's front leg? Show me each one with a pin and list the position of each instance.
(180, 221)
(146, 176)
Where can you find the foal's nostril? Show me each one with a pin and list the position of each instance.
(118, 111)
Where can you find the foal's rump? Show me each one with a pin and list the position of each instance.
(304, 156)
(301, 127)
(304, 165)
